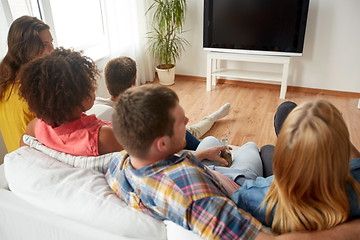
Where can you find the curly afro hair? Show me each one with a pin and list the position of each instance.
(55, 85)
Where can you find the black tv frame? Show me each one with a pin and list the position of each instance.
(295, 39)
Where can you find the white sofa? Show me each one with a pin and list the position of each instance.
(43, 198)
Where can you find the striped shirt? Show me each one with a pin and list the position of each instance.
(182, 190)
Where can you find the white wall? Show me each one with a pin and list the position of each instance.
(331, 50)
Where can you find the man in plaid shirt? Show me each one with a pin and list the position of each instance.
(149, 122)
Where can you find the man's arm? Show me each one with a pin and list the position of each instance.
(345, 231)
(217, 217)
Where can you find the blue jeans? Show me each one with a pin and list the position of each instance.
(191, 142)
(267, 151)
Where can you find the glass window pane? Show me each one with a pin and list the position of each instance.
(78, 24)
(20, 8)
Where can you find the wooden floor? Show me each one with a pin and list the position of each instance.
(253, 107)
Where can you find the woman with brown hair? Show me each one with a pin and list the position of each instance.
(315, 185)
(28, 38)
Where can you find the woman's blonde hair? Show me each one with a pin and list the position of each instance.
(311, 170)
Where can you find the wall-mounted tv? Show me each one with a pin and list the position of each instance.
(268, 27)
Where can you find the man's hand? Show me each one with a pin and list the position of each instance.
(212, 154)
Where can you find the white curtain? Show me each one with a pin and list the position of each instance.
(126, 24)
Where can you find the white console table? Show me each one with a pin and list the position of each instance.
(213, 72)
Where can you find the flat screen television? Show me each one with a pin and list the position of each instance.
(266, 27)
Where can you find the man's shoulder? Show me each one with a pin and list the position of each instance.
(117, 162)
(115, 176)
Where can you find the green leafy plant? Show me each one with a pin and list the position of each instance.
(165, 42)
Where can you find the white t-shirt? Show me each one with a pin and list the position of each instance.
(102, 108)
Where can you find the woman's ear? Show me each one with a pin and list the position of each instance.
(114, 99)
(87, 103)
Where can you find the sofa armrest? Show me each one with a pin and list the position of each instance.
(3, 181)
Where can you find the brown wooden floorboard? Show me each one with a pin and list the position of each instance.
(253, 107)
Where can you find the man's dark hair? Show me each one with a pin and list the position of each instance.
(120, 74)
(56, 84)
(141, 115)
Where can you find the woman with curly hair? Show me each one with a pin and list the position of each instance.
(315, 185)
(28, 38)
(59, 88)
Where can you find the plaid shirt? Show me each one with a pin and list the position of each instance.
(183, 190)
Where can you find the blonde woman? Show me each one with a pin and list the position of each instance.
(315, 186)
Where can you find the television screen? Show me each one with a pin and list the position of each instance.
(272, 27)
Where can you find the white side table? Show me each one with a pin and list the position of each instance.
(213, 72)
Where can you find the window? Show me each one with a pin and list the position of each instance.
(79, 24)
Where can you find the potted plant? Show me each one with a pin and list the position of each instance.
(165, 42)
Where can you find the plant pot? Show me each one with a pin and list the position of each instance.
(166, 77)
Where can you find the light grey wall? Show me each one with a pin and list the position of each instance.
(3, 150)
(331, 52)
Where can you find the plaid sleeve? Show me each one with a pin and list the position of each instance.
(219, 218)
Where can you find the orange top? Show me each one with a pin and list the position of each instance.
(79, 138)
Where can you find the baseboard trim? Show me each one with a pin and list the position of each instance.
(274, 86)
